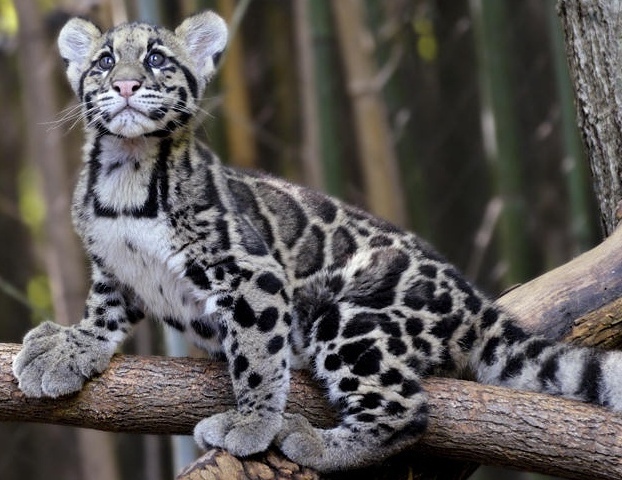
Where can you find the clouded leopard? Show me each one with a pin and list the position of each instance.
(265, 274)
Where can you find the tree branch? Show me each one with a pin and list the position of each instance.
(569, 301)
(468, 421)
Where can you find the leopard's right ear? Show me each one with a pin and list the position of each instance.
(75, 43)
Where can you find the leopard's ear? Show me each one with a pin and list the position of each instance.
(75, 42)
(205, 36)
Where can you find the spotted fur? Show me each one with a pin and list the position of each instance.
(265, 274)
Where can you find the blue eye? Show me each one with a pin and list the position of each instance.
(156, 60)
(106, 62)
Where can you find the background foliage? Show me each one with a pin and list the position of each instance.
(450, 117)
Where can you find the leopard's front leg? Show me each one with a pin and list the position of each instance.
(255, 322)
(56, 360)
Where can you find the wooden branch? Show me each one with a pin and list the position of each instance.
(468, 421)
(569, 301)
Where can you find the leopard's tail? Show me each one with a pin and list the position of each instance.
(506, 355)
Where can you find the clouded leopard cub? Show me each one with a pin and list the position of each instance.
(271, 276)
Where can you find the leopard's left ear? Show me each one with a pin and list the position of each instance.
(205, 37)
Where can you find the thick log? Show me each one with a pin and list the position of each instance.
(468, 421)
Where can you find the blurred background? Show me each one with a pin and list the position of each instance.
(453, 118)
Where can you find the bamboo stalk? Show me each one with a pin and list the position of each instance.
(373, 135)
(500, 134)
(328, 98)
(241, 143)
(310, 148)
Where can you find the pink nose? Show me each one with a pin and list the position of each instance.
(126, 88)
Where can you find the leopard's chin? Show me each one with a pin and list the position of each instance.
(130, 123)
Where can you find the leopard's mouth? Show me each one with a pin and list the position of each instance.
(130, 122)
(128, 109)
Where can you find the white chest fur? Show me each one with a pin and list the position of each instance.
(139, 254)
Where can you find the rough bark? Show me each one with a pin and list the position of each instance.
(569, 301)
(592, 30)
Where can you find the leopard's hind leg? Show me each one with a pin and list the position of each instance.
(377, 419)
(359, 358)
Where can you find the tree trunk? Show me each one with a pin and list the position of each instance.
(592, 30)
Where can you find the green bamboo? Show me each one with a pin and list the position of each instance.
(501, 137)
(396, 96)
(327, 96)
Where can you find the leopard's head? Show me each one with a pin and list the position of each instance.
(139, 79)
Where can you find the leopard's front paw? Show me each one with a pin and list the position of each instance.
(57, 360)
(240, 434)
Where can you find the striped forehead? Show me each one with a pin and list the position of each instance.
(132, 41)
